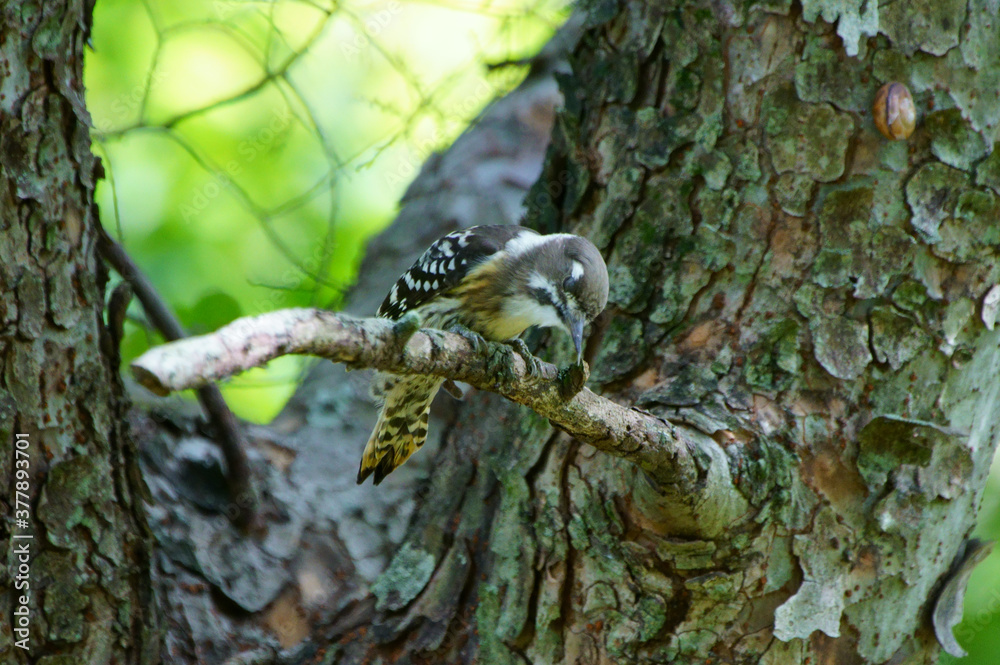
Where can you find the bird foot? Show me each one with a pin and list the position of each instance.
(533, 364)
(477, 341)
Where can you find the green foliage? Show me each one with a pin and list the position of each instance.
(251, 148)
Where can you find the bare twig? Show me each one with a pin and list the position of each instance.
(231, 441)
(671, 454)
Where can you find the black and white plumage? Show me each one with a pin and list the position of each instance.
(496, 281)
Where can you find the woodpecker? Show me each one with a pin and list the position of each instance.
(493, 281)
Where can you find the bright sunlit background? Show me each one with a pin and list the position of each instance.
(251, 149)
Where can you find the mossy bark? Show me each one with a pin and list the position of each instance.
(786, 281)
(79, 525)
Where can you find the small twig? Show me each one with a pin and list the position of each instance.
(117, 310)
(231, 441)
(670, 454)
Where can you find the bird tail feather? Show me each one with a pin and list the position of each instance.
(401, 428)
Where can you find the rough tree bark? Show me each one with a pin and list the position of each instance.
(815, 299)
(77, 550)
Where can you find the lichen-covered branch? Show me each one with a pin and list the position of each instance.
(671, 454)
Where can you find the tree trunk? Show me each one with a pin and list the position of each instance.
(811, 300)
(786, 281)
(76, 586)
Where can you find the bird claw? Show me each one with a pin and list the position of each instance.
(532, 363)
(477, 341)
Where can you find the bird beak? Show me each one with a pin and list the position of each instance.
(576, 331)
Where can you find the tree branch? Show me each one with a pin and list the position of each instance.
(689, 462)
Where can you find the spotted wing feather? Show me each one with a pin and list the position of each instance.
(444, 265)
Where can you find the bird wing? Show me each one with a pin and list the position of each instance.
(444, 265)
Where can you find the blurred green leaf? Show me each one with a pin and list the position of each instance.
(213, 310)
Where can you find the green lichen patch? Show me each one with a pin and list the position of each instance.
(988, 170)
(64, 600)
(913, 392)
(952, 83)
(773, 363)
(623, 349)
(687, 554)
(980, 47)
(887, 442)
(686, 385)
(748, 163)
(927, 25)
(932, 194)
(711, 603)
(717, 209)
(824, 75)
(651, 614)
(832, 267)
(896, 338)
(643, 22)
(638, 251)
(878, 646)
(910, 295)
(657, 137)
(781, 41)
(514, 547)
(614, 152)
(616, 73)
(404, 579)
(972, 230)
(957, 315)
(889, 65)
(810, 139)
(682, 37)
(61, 510)
(810, 300)
(491, 648)
(600, 598)
(919, 474)
(618, 203)
(842, 208)
(841, 346)
(856, 18)
(953, 140)
(780, 567)
(861, 245)
(713, 166)
(794, 191)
